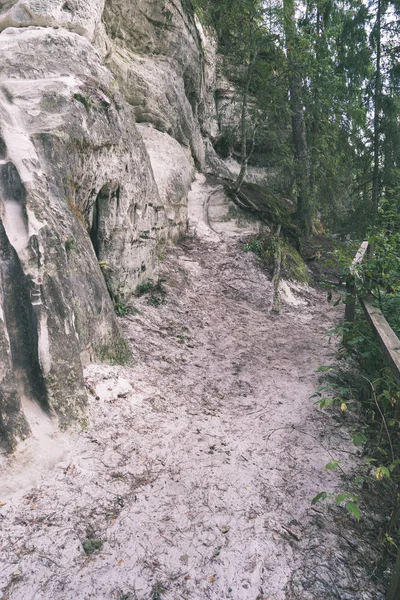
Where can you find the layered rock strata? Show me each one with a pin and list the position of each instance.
(86, 195)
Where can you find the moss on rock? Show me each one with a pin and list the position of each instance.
(294, 266)
(118, 353)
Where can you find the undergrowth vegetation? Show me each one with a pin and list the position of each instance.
(266, 244)
(155, 291)
(361, 385)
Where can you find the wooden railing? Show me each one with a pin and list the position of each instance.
(351, 283)
(390, 345)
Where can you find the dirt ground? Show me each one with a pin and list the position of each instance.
(195, 476)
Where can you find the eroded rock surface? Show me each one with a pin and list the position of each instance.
(79, 16)
(174, 170)
(156, 53)
(87, 196)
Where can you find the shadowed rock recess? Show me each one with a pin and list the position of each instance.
(82, 184)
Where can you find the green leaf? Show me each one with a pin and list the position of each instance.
(341, 498)
(382, 472)
(393, 465)
(353, 509)
(332, 465)
(359, 439)
(318, 497)
(323, 402)
(324, 369)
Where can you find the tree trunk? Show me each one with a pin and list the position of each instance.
(377, 108)
(304, 214)
(276, 303)
(243, 124)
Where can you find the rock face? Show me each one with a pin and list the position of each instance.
(86, 194)
(173, 168)
(79, 16)
(155, 51)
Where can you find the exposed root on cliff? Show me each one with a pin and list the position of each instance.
(195, 477)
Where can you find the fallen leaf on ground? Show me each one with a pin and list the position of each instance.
(225, 528)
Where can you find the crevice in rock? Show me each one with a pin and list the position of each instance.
(94, 230)
(67, 6)
(21, 323)
(110, 193)
(100, 210)
(3, 149)
(21, 293)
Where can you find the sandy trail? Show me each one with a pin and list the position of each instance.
(200, 462)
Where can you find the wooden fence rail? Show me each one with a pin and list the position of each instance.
(390, 345)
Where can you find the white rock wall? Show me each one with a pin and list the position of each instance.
(86, 195)
(79, 16)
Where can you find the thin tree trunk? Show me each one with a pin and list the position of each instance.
(276, 303)
(301, 150)
(304, 214)
(377, 107)
(243, 124)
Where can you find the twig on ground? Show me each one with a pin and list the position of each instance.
(335, 586)
(290, 532)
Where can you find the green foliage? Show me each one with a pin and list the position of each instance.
(70, 244)
(91, 546)
(349, 499)
(332, 465)
(294, 266)
(156, 291)
(362, 382)
(84, 99)
(318, 497)
(265, 246)
(380, 274)
(121, 308)
(331, 50)
(145, 287)
(353, 509)
(104, 266)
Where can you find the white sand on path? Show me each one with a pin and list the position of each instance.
(199, 464)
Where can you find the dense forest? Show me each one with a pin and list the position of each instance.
(319, 95)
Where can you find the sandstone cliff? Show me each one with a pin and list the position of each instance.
(104, 107)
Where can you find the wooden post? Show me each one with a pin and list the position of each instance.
(394, 589)
(350, 311)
